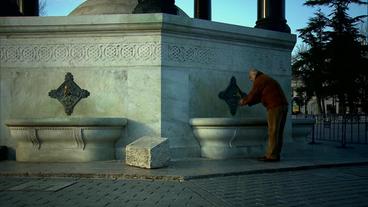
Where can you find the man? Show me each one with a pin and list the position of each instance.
(269, 92)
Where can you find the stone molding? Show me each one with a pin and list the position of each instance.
(63, 128)
(77, 132)
(80, 52)
(123, 54)
(143, 23)
(190, 54)
(90, 53)
(32, 134)
(78, 136)
(33, 138)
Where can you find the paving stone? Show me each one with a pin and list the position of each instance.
(277, 189)
(148, 152)
(41, 185)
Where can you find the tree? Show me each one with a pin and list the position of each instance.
(42, 8)
(342, 73)
(364, 78)
(309, 66)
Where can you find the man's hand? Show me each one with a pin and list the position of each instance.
(242, 102)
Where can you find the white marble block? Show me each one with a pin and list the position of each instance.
(148, 152)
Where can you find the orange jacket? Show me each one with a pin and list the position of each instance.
(265, 90)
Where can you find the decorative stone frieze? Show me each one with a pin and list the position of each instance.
(80, 52)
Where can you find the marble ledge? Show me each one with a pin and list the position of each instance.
(124, 23)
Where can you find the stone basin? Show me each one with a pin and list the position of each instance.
(70, 139)
(301, 129)
(223, 138)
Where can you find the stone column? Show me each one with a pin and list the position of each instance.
(156, 6)
(271, 15)
(9, 8)
(29, 7)
(168, 6)
(202, 9)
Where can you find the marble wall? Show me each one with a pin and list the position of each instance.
(200, 57)
(156, 70)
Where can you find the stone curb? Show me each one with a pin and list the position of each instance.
(114, 176)
(178, 178)
(282, 169)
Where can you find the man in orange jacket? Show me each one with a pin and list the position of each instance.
(268, 91)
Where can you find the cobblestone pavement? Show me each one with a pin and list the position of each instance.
(321, 187)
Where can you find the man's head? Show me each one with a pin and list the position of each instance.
(252, 73)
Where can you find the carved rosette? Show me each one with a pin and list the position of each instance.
(69, 94)
(232, 95)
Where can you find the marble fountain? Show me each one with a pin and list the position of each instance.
(223, 138)
(149, 73)
(66, 139)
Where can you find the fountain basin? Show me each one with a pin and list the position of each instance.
(301, 129)
(66, 139)
(223, 138)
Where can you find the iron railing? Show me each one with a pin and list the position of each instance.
(344, 129)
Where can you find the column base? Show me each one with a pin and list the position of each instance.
(155, 6)
(274, 25)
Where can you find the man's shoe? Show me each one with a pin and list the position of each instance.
(261, 158)
(266, 159)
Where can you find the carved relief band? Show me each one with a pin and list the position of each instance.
(80, 52)
(190, 54)
(120, 52)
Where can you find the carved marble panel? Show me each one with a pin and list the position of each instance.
(79, 53)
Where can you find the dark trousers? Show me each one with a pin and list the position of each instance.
(3, 153)
(276, 119)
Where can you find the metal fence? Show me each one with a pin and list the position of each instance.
(343, 129)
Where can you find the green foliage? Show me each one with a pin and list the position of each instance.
(310, 65)
(335, 63)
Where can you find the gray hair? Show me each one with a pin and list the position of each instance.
(253, 70)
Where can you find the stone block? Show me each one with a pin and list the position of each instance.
(148, 152)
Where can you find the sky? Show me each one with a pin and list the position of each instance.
(238, 12)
